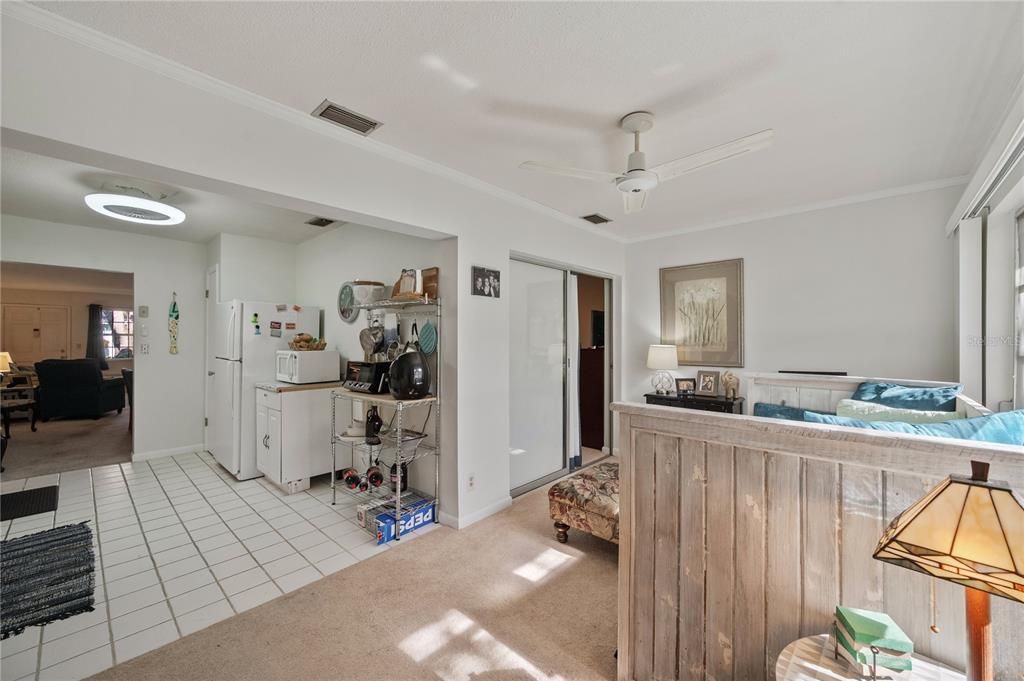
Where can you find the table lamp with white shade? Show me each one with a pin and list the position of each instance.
(661, 358)
(969, 531)
(5, 362)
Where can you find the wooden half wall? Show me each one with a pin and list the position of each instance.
(741, 534)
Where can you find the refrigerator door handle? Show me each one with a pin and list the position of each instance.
(231, 333)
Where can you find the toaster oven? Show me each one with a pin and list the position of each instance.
(367, 377)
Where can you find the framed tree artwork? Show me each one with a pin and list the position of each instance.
(702, 312)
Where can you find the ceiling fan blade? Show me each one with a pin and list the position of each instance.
(709, 157)
(592, 175)
(634, 202)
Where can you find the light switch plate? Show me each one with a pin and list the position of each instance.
(144, 348)
(143, 311)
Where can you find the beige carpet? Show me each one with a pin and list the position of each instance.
(500, 600)
(591, 455)
(67, 445)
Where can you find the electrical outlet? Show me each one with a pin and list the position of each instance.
(471, 482)
(144, 349)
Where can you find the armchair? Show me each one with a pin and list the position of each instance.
(70, 388)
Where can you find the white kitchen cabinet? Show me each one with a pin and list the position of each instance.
(293, 433)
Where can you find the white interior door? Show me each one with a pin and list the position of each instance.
(537, 368)
(53, 332)
(35, 332)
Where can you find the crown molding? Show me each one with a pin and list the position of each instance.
(124, 51)
(932, 185)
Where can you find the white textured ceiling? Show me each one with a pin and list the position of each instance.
(864, 97)
(46, 188)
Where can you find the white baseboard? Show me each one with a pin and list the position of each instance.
(463, 522)
(159, 453)
(606, 450)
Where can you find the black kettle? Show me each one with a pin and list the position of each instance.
(409, 375)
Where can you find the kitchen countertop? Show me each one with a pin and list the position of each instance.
(279, 387)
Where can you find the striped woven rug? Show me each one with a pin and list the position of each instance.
(46, 576)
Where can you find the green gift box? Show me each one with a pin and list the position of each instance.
(857, 631)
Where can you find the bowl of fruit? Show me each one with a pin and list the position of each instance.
(303, 341)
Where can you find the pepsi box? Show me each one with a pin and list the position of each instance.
(415, 514)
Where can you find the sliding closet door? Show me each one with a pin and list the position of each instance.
(537, 368)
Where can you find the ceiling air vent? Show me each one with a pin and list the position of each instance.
(346, 118)
(596, 219)
(319, 222)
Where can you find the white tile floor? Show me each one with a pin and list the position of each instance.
(179, 545)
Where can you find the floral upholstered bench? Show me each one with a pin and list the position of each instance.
(587, 501)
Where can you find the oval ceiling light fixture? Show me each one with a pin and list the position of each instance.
(135, 209)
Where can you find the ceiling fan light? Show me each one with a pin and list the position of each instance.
(135, 209)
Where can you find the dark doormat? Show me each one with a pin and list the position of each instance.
(45, 577)
(28, 502)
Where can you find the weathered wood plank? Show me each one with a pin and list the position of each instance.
(820, 546)
(627, 530)
(693, 475)
(666, 557)
(914, 454)
(908, 593)
(749, 632)
(643, 564)
(1007, 640)
(862, 525)
(721, 567)
(784, 575)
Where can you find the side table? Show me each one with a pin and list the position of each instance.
(813, 659)
(7, 406)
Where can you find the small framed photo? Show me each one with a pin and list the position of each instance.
(708, 382)
(486, 282)
(686, 386)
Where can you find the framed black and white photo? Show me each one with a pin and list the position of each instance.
(702, 313)
(708, 383)
(486, 282)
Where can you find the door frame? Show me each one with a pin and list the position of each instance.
(609, 344)
(211, 299)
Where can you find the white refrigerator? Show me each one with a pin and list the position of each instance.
(245, 339)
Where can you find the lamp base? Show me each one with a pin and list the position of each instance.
(663, 383)
(979, 635)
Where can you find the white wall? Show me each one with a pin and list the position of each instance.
(168, 388)
(294, 161)
(254, 269)
(865, 288)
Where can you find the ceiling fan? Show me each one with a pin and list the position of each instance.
(638, 179)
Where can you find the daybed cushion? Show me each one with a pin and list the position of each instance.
(589, 501)
(942, 398)
(782, 411)
(873, 411)
(1004, 427)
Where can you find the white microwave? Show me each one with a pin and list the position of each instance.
(308, 366)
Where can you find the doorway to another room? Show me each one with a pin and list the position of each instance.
(66, 358)
(593, 394)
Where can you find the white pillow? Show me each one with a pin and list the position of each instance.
(872, 411)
